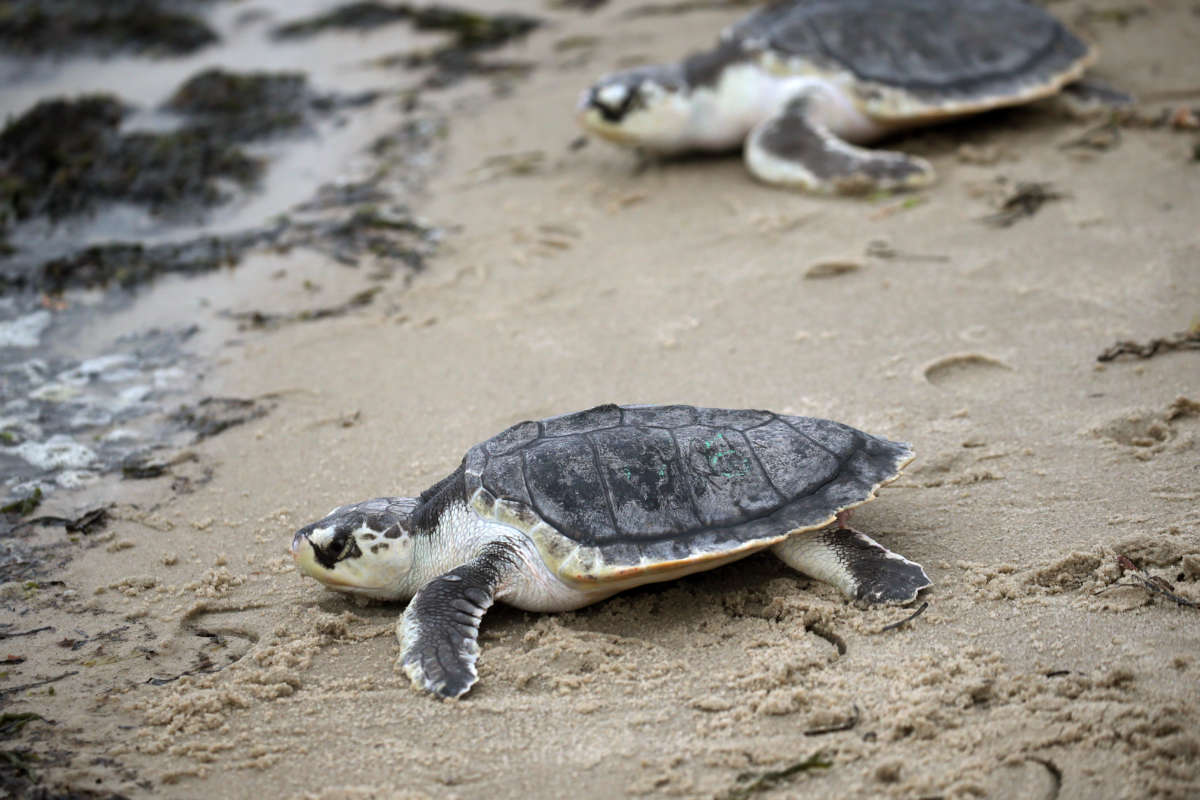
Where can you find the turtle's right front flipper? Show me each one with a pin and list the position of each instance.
(795, 148)
(439, 628)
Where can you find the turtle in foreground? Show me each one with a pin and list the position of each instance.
(556, 514)
(801, 83)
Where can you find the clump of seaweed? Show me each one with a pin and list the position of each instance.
(129, 264)
(361, 16)
(472, 32)
(62, 157)
(243, 106)
(35, 27)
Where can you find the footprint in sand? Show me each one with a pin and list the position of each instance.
(1032, 779)
(206, 641)
(965, 372)
(1144, 431)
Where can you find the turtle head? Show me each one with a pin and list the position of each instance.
(647, 107)
(364, 549)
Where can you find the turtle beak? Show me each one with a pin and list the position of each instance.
(299, 543)
(304, 555)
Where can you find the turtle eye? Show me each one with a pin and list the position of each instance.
(342, 544)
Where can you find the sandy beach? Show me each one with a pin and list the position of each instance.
(570, 275)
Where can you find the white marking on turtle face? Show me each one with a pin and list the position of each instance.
(612, 95)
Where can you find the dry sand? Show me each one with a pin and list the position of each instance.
(570, 278)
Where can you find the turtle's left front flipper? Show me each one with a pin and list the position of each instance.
(439, 628)
(796, 148)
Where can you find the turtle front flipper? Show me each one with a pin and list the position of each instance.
(854, 563)
(439, 628)
(795, 148)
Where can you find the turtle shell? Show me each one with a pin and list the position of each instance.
(908, 58)
(616, 491)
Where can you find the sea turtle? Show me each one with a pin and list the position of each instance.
(556, 514)
(801, 82)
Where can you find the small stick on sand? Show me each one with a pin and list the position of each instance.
(907, 619)
(841, 726)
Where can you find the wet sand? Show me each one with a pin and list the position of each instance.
(571, 277)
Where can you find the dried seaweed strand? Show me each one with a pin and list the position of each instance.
(1184, 340)
(35, 684)
(30, 632)
(1150, 583)
(765, 780)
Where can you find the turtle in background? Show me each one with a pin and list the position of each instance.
(556, 514)
(801, 84)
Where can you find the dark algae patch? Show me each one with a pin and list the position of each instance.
(214, 415)
(472, 32)
(64, 157)
(1025, 200)
(243, 106)
(24, 506)
(350, 17)
(36, 27)
(470, 28)
(130, 264)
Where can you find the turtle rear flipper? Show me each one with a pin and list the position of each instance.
(438, 630)
(794, 148)
(856, 564)
(1089, 95)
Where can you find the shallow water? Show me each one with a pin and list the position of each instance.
(87, 376)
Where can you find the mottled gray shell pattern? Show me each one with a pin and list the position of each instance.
(652, 484)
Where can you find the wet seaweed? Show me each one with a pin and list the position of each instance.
(143, 465)
(24, 506)
(270, 321)
(67, 27)
(370, 229)
(214, 415)
(64, 157)
(470, 28)
(388, 233)
(362, 16)
(684, 7)
(67, 156)
(13, 723)
(129, 264)
(243, 106)
(1025, 200)
(472, 32)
